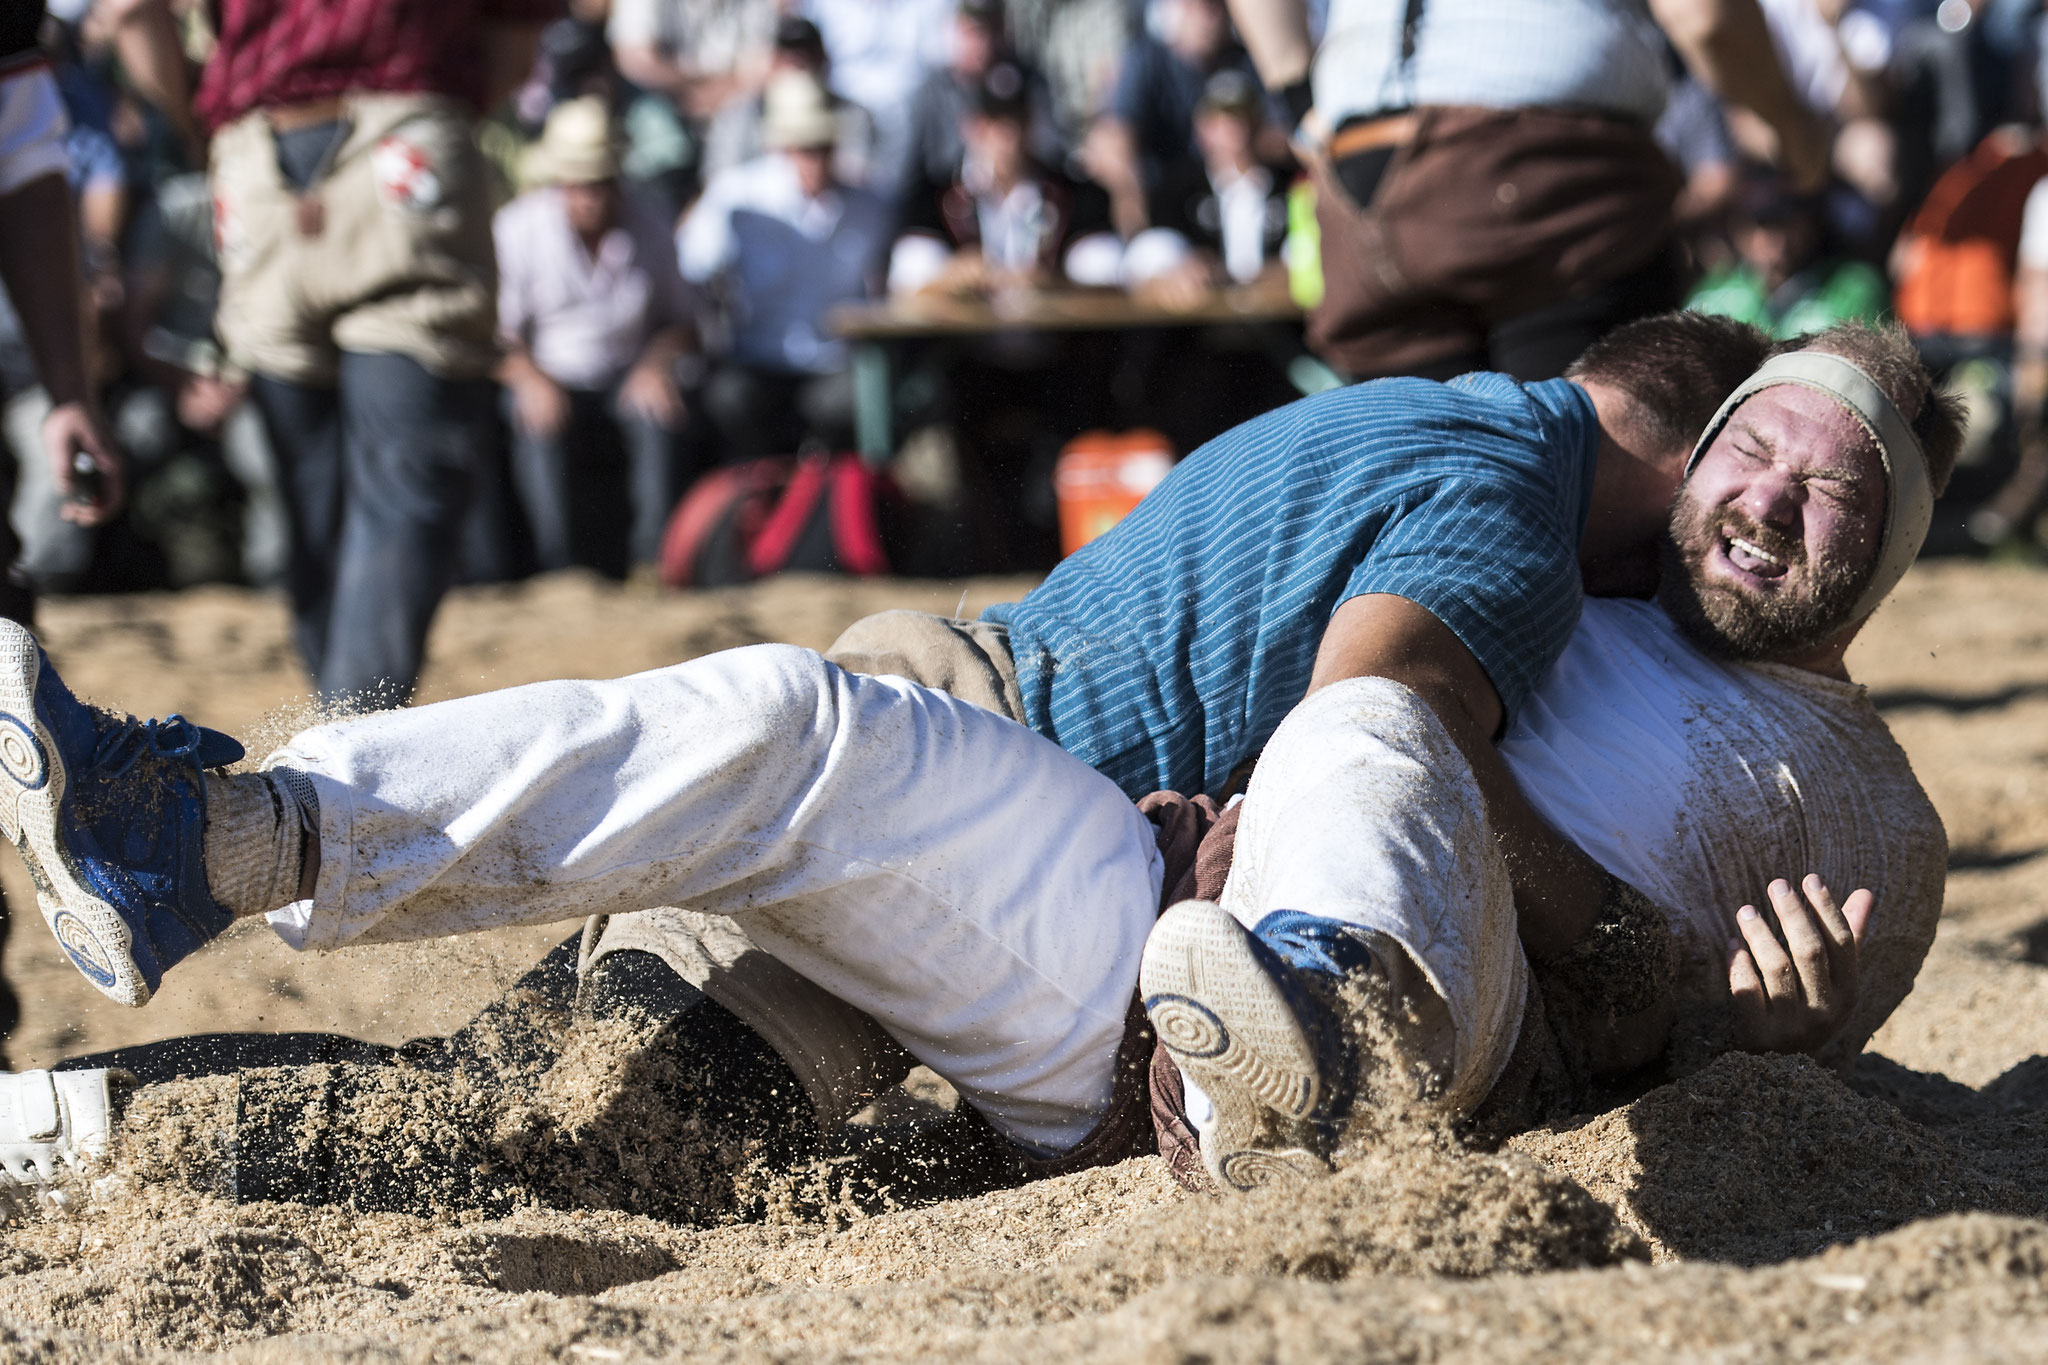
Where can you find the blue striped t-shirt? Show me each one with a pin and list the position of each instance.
(1168, 650)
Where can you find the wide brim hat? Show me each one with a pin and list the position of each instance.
(579, 145)
(796, 112)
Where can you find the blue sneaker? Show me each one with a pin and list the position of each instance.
(1250, 1019)
(109, 813)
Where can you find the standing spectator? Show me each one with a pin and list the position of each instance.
(1955, 73)
(1489, 194)
(736, 134)
(40, 267)
(594, 317)
(701, 54)
(359, 289)
(1148, 135)
(948, 94)
(784, 243)
(1079, 45)
(56, 552)
(881, 51)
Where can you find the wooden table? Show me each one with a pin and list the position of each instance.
(871, 327)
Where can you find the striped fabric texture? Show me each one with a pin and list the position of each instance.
(1167, 651)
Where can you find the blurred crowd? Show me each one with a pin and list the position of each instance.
(678, 193)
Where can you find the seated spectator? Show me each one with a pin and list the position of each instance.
(1148, 134)
(1002, 221)
(1222, 221)
(1784, 278)
(784, 243)
(948, 95)
(594, 317)
(735, 136)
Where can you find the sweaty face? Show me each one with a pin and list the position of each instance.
(1775, 533)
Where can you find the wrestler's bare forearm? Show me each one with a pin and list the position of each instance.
(39, 265)
(1275, 33)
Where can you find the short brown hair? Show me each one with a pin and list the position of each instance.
(1885, 353)
(1677, 368)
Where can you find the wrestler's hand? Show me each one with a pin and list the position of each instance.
(1794, 993)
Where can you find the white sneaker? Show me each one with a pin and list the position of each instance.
(1225, 1012)
(49, 1120)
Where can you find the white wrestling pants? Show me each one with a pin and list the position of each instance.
(981, 893)
(1363, 810)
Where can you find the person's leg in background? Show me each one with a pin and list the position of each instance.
(826, 404)
(410, 442)
(540, 473)
(654, 479)
(303, 424)
(754, 412)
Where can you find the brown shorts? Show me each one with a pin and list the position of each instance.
(1483, 216)
(397, 259)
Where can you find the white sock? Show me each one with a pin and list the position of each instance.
(258, 828)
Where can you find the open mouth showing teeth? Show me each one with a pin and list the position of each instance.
(1753, 558)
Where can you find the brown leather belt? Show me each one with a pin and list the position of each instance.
(288, 118)
(1369, 135)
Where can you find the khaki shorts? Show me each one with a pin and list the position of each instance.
(401, 261)
(970, 659)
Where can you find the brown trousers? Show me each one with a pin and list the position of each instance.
(1487, 215)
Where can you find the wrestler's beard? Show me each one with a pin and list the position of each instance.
(1732, 624)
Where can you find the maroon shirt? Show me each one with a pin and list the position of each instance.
(294, 51)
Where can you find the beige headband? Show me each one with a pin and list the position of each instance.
(1909, 498)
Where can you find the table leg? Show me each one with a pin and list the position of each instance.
(873, 400)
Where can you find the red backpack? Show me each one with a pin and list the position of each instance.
(818, 512)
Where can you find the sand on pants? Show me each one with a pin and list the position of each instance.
(1761, 1209)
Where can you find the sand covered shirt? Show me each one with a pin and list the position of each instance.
(1167, 651)
(1699, 781)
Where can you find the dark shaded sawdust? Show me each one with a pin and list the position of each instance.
(1758, 1159)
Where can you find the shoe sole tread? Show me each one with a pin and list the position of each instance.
(1231, 1029)
(30, 820)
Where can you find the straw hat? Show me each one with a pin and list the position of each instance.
(579, 145)
(796, 112)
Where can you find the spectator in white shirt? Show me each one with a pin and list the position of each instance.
(595, 317)
(783, 243)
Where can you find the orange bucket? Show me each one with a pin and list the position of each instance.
(1101, 475)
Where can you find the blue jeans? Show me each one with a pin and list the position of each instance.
(377, 473)
(563, 480)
